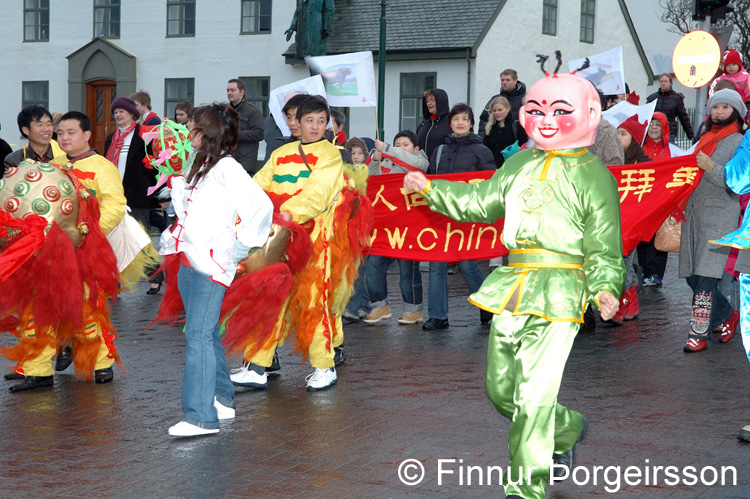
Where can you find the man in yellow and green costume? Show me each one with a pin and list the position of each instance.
(562, 227)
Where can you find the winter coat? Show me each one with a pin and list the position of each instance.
(658, 150)
(137, 178)
(502, 137)
(515, 97)
(461, 154)
(607, 146)
(432, 132)
(251, 133)
(712, 211)
(672, 104)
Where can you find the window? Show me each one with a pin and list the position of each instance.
(35, 93)
(36, 20)
(107, 18)
(413, 86)
(180, 17)
(588, 15)
(257, 89)
(549, 17)
(256, 17)
(175, 91)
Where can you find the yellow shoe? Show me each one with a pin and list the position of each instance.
(410, 318)
(378, 315)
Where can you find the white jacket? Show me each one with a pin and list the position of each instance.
(224, 206)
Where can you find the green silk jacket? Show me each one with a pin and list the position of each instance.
(562, 226)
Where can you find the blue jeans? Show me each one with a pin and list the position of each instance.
(710, 307)
(360, 299)
(206, 372)
(410, 282)
(437, 292)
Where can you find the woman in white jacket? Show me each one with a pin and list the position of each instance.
(222, 213)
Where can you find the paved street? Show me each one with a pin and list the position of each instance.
(403, 394)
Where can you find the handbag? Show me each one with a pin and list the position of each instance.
(667, 238)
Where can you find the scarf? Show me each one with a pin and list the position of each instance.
(708, 140)
(118, 139)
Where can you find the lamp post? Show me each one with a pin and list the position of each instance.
(381, 73)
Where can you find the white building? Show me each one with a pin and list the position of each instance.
(78, 54)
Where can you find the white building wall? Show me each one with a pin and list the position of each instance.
(217, 52)
(505, 46)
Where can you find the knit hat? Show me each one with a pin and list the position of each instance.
(727, 96)
(731, 56)
(127, 104)
(636, 129)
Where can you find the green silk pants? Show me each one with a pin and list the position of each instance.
(526, 357)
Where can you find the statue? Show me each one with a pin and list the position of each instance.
(313, 22)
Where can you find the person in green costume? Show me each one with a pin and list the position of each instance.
(562, 227)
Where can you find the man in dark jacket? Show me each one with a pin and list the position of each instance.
(251, 126)
(511, 89)
(436, 126)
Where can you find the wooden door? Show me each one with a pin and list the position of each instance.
(99, 97)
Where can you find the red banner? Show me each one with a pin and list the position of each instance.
(405, 227)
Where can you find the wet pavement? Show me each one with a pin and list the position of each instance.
(404, 393)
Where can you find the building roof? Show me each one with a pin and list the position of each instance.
(444, 26)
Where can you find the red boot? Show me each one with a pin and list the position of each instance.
(632, 309)
(729, 327)
(618, 318)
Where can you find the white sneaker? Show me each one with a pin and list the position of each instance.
(223, 411)
(248, 377)
(185, 429)
(321, 379)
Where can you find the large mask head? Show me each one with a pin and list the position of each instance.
(561, 111)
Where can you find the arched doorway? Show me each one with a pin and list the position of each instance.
(99, 97)
(97, 73)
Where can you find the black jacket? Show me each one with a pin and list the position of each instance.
(502, 137)
(672, 104)
(515, 97)
(431, 133)
(251, 133)
(461, 154)
(137, 178)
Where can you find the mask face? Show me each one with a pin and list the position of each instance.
(561, 112)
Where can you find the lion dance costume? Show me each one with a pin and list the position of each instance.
(57, 271)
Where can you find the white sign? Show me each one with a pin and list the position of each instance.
(606, 71)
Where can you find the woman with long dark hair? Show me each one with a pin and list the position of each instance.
(222, 213)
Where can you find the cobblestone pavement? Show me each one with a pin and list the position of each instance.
(403, 394)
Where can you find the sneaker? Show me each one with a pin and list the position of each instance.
(694, 345)
(652, 282)
(247, 377)
(744, 433)
(378, 314)
(321, 379)
(339, 355)
(223, 411)
(433, 324)
(185, 429)
(349, 318)
(729, 327)
(410, 318)
(568, 458)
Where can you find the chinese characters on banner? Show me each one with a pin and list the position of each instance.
(406, 228)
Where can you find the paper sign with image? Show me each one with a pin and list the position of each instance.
(606, 71)
(349, 78)
(279, 96)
